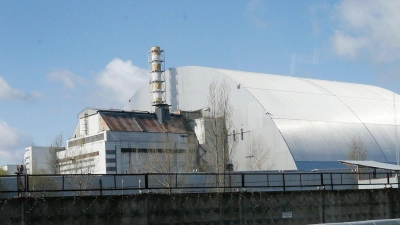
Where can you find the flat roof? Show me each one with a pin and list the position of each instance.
(372, 164)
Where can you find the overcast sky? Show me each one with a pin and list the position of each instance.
(58, 57)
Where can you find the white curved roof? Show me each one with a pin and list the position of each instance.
(317, 119)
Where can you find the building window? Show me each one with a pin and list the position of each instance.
(82, 141)
(111, 168)
(110, 152)
(145, 150)
(110, 160)
(135, 150)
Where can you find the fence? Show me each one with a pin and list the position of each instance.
(125, 184)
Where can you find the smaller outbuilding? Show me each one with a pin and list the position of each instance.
(375, 175)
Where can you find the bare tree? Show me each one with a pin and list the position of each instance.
(169, 158)
(52, 158)
(136, 161)
(79, 160)
(259, 155)
(220, 147)
(357, 150)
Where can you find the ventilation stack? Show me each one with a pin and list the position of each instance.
(157, 82)
(156, 69)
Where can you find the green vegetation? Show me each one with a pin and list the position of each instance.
(3, 172)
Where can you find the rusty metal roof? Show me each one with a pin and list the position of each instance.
(177, 125)
(120, 122)
(142, 122)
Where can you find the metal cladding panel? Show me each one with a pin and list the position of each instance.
(127, 136)
(191, 90)
(353, 90)
(370, 110)
(141, 99)
(290, 105)
(120, 122)
(93, 124)
(385, 136)
(273, 82)
(397, 109)
(325, 141)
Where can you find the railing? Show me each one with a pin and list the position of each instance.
(117, 184)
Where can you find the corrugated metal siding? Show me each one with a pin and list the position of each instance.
(291, 105)
(139, 140)
(273, 82)
(325, 141)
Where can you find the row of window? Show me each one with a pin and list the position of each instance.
(82, 141)
(146, 150)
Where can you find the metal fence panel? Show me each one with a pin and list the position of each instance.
(117, 184)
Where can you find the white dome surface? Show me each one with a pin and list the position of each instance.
(310, 123)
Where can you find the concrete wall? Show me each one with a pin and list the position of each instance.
(36, 159)
(310, 207)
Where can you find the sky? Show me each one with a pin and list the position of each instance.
(58, 57)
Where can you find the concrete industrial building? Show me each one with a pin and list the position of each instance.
(304, 123)
(117, 141)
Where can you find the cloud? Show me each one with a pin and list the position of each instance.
(119, 81)
(302, 58)
(367, 28)
(7, 93)
(69, 79)
(11, 144)
(254, 12)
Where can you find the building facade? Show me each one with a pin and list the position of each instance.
(117, 141)
(40, 160)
